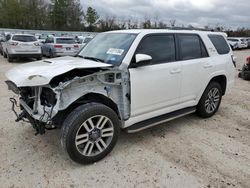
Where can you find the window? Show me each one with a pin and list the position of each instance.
(111, 48)
(8, 37)
(191, 47)
(65, 41)
(24, 38)
(220, 44)
(233, 40)
(160, 47)
(49, 40)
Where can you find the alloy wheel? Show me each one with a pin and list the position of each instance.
(212, 100)
(94, 135)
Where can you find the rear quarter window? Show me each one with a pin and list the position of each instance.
(220, 44)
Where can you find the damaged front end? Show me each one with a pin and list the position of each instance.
(43, 105)
(36, 105)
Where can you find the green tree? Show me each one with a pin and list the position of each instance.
(66, 15)
(11, 14)
(91, 18)
(75, 15)
(58, 17)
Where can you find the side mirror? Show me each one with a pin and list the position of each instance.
(142, 59)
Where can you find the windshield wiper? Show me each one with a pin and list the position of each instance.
(93, 58)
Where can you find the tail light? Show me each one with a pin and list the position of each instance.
(13, 43)
(76, 46)
(233, 60)
(58, 46)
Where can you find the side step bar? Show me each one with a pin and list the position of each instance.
(160, 119)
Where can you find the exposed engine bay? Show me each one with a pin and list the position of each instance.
(46, 106)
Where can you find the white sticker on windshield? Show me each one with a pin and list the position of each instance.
(115, 51)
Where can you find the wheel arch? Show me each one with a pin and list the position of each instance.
(87, 98)
(222, 80)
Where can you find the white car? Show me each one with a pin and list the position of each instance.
(233, 43)
(130, 79)
(84, 40)
(41, 38)
(240, 42)
(60, 46)
(21, 45)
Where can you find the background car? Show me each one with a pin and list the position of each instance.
(41, 38)
(21, 45)
(241, 42)
(248, 42)
(2, 39)
(233, 43)
(60, 46)
(85, 40)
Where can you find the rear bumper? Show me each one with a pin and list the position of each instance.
(25, 55)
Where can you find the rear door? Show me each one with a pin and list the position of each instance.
(156, 86)
(196, 66)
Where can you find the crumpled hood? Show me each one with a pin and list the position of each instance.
(41, 72)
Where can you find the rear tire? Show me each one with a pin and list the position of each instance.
(210, 100)
(90, 132)
(39, 58)
(51, 55)
(4, 55)
(10, 59)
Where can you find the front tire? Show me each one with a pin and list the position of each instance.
(210, 100)
(90, 132)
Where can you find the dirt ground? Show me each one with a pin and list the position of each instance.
(188, 152)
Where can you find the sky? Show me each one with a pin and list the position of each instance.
(198, 13)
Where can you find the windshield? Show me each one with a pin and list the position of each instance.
(109, 48)
(87, 40)
(65, 41)
(24, 38)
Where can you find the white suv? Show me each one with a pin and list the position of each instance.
(21, 45)
(239, 43)
(131, 80)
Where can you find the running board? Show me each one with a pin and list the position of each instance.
(160, 119)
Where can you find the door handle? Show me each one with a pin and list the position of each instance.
(208, 65)
(175, 71)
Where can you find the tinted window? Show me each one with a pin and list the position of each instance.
(49, 40)
(65, 41)
(8, 37)
(24, 38)
(191, 47)
(160, 47)
(233, 40)
(220, 44)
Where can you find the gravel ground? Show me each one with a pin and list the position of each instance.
(187, 152)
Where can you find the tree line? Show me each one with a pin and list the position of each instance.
(68, 15)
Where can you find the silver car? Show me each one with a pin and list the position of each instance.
(60, 46)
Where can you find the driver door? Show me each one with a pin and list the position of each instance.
(155, 87)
